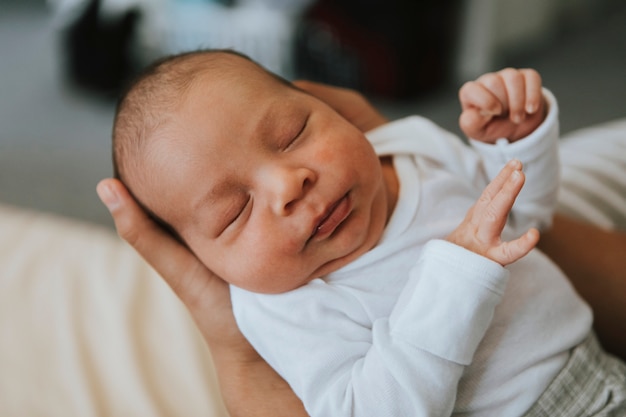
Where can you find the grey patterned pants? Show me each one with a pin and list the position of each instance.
(592, 383)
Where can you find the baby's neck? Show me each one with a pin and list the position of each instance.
(392, 186)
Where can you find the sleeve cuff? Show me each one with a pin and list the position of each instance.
(449, 302)
(530, 147)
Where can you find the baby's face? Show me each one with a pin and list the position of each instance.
(268, 186)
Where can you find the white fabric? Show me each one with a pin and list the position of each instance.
(395, 332)
(594, 178)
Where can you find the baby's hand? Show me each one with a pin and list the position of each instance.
(482, 227)
(504, 104)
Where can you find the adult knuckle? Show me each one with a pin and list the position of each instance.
(127, 232)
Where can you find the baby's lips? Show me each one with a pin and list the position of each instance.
(333, 218)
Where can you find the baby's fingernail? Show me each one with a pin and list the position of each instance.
(108, 196)
(515, 163)
(531, 108)
(517, 118)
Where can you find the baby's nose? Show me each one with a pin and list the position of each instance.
(287, 187)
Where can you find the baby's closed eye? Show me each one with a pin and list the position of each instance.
(234, 213)
(293, 139)
(240, 208)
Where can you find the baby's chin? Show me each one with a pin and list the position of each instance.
(279, 277)
(281, 281)
(275, 287)
(276, 282)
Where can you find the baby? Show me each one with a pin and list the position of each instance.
(371, 272)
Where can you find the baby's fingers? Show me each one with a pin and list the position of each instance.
(478, 95)
(495, 188)
(534, 96)
(509, 252)
(516, 92)
(495, 214)
(524, 93)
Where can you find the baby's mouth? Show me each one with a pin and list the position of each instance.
(333, 217)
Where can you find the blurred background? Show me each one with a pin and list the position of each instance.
(63, 62)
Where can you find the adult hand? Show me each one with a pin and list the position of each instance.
(205, 294)
(593, 260)
(351, 104)
(250, 387)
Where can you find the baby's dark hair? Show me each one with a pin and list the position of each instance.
(149, 101)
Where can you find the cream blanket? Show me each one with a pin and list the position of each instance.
(88, 329)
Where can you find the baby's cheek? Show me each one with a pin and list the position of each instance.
(325, 155)
(279, 268)
(259, 259)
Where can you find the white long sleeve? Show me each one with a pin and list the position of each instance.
(481, 162)
(539, 153)
(340, 367)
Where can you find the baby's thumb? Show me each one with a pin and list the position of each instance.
(509, 252)
(472, 122)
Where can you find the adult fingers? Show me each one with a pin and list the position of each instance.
(172, 260)
(350, 104)
(340, 99)
(318, 90)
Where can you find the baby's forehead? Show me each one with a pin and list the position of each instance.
(212, 102)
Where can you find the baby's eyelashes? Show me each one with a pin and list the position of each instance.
(238, 215)
(297, 136)
(235, 214)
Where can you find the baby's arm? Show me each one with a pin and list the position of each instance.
(508, 115)
(481, 230)
(343, 362)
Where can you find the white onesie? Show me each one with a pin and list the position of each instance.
(420, 326)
